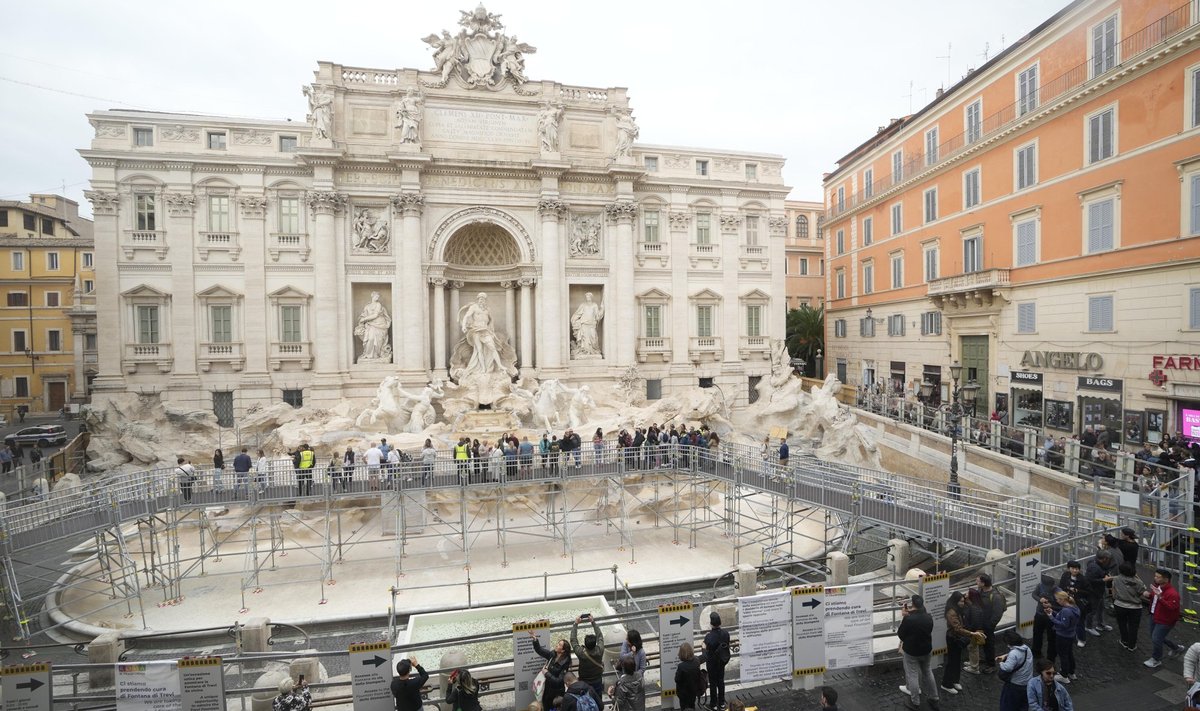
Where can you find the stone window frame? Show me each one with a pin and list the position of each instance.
(758, 298)
(706, 297)
(868, 276)
(1093, 196)
(1021, 217)
(290, 296)
(219, 295)
(146, 295)
(654, 297)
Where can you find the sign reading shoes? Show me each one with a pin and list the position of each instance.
(1062, 360)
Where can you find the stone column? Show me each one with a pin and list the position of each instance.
(439, 326)
(185, 332)
(325, 205)
(109, 332)
(254, 317)
(456, 288)
(510, 310)
(410, 317)
(550, 292)
(622, 212)
(679, 325)
(526, 284)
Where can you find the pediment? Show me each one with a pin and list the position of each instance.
(654, 295)
(218, 292)
(289, 292)
(756, 295)
(145, 291)
(706, 295)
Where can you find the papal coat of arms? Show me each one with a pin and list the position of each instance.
(480, 55)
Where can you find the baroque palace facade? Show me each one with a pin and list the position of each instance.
(1039, 222)
(243, 261)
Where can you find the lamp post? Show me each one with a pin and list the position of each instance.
(961, 398)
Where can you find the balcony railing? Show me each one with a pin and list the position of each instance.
(653, 346)
(752, 346)
(153, 240)
(753, 254)
(701, 252)
(1127, 52)
(986, 279)
(232, 353)
(291, 352)
(288, 242)
(219, 242)
(702, 347)
(650, 251)
(158, 355)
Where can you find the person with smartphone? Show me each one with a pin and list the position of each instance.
(293, 696)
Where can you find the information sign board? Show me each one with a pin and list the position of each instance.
(371, 676)
(202, 684)
(848, 626)
(676, 626)
(526, 662)
(808, 630)
(27, 687)
(1029, 574)
(765, 636)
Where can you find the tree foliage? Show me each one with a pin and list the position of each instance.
(806, 335)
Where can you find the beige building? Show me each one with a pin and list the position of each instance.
(805, 254)
(247, 261)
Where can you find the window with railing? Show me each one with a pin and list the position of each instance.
(972, 254)
(704, 321)
(973, 121)
(290, 323)
(653, 320)
(147, 324)
(703, 228)
(1104, 46)
(868, 182)
(752, 230)
(218, 213)
(754, 320)
(650, 225)
(289, 215)
(931, 146)
(144, 209)
(1027, 90)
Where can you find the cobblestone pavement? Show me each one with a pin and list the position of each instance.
(1110, 677)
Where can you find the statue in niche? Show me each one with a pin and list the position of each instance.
(320, 111)
(627, 133)
(371, 233)
(372, 329)
(408, 117)
(548, 119)
(585, 327)
(481, 351)
(585, 241)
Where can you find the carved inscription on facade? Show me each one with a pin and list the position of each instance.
(371, 122)
(487, 127)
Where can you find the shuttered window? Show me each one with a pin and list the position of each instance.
(1100, 226)
(896, 325)
(1194, 309)
(868, 278)
(1195, 204)
(931, 323)
(868, 231)
(970, 188)
(1027, 317)
(931, 146)
(931, 212)
(1104, 46)
(1026, 166)
(974, 121)
(1100, 136)
(897, 219)
(839, 328)
(1100, 313)
(1026, 243)
(1027, 90)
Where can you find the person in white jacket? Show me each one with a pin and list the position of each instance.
(1191, 660)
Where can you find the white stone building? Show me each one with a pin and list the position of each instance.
(236, 258)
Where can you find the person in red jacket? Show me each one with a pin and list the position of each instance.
(1164, 613)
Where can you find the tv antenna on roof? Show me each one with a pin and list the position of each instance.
(986, 46)
(909, 95)
(946, 57)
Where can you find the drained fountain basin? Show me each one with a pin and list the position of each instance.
(430, 627)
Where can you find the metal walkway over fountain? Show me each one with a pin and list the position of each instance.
(849, 498)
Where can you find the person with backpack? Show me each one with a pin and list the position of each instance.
(629, 694)
(716, 655)
(591, 654)
(994, 605)
(688, 682)
(187, 477)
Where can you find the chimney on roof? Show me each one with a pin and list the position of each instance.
(939, 93)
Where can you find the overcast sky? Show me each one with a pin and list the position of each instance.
(808, 80)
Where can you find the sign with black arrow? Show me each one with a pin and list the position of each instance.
(808, 631)
(27, 687)
(201, 684)
(1029, 575)
(676, 626)
(371, 676)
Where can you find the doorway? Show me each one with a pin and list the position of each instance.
(975, 367)
(56, 395)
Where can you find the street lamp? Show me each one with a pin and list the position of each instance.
(960, 398)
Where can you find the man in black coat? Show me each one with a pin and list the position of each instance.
(716, 653)
(916, 644)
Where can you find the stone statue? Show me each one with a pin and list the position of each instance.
(422, 415)
(408, 117)
(627, 133)
(585, 240)
(581, 406)
(481, 351)
(371, 234)
(548, 120)
(448, 54)
(549, 402)
(372, 329)
(510, 60)
(320, 111)
(585, 325)
(781, 363)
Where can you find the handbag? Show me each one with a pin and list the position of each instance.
(1006, 675)
(539, 684)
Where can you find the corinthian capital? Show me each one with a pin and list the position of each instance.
(778, 225)
(103, 203)
(409, 203)
(679, 220)
(552, 208)
(621, 210)
(326, 202)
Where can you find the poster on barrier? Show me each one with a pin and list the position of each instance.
(808, 630)
(765, 636)
(848, 626)
(935, 591)
(201, 684)
(1029, 574)
(149, 686)
(371, 676)
(676, 626)
(526, 662)
(27, 687)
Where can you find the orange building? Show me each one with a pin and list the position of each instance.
(804, 249)
(1039, 221)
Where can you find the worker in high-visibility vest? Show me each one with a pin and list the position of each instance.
(304, 478)
(461, 456)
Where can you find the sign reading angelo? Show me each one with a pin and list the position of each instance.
(1063, 360)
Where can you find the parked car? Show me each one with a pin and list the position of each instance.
(42, 435)
(3, 421)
